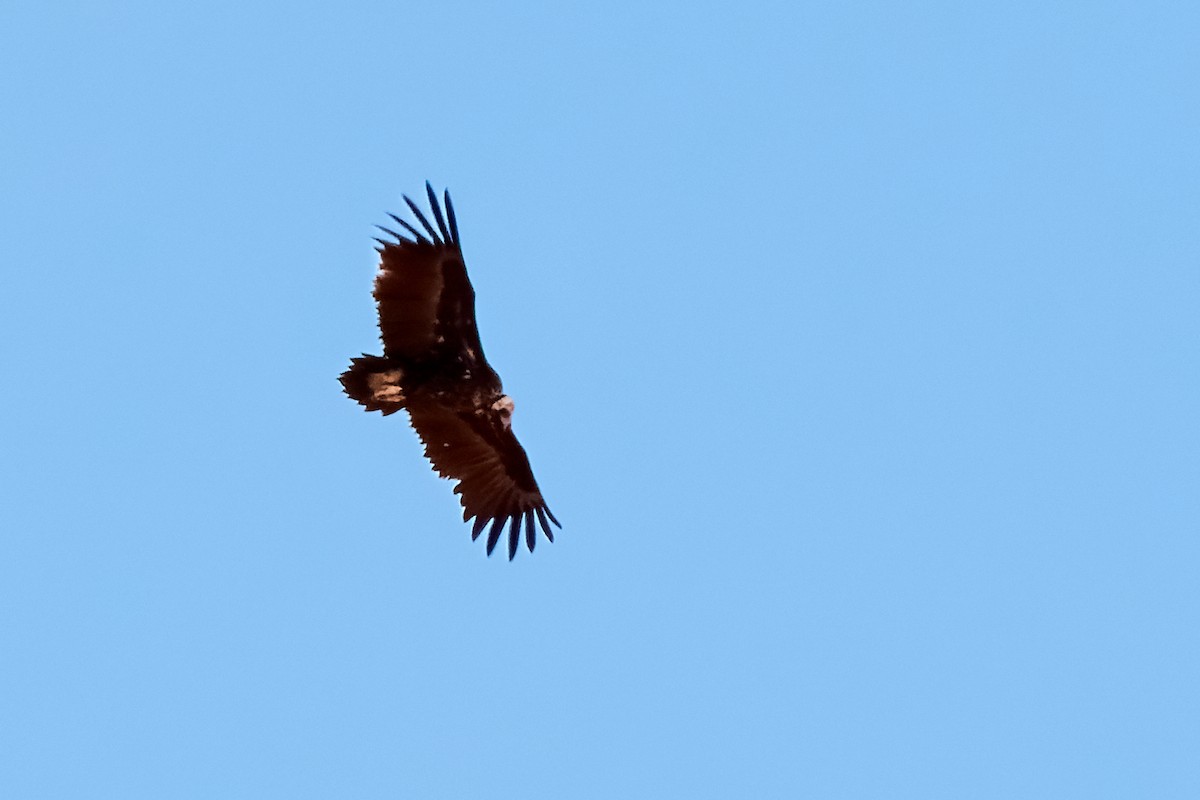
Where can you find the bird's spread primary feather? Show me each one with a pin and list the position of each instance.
(433, 366)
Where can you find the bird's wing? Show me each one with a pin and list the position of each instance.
(426, 302)
(496, 484)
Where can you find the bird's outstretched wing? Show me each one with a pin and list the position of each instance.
(426, 302)
(496, 484)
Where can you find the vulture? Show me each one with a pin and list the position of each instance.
(433, 367)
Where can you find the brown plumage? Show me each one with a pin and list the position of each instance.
(433, 366)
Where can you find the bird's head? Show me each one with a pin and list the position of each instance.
(504, 408)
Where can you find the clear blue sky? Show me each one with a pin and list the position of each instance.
(857, 346)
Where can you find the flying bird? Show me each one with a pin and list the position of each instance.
(433, 366)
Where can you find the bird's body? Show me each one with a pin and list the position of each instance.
(433, 366)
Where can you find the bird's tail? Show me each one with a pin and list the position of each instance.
(374, 383)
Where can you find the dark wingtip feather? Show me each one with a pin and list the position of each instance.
(550, 514)
(437, 212)
(545, 525)
(480, 524)
(420, 236)
(421, 218)
(514, 535)
(530, 533)
(398, 237)
(450, 216)
(494, 534)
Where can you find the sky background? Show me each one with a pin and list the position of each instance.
(856, 345)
